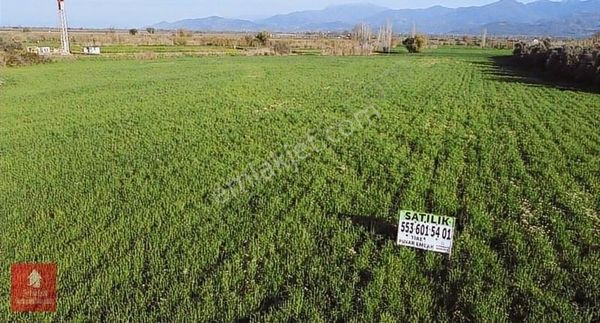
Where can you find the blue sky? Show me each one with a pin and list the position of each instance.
(139, 13)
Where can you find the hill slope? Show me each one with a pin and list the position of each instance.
(544, 17)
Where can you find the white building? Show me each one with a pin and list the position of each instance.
(40, 50)
(45, 51)
(91, 50)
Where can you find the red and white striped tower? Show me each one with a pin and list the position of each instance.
(64, 33)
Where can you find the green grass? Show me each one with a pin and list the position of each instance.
(158, 49)
(108, 167)
(129, 49)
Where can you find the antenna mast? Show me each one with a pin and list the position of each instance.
(64, 33)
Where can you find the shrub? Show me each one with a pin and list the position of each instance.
(20, 58)
(10, 45)
(180, 41)
(248, 40)
(415, 44)
(181, 37)
(12, 54)
(263, 37)
(282, 48)
(565, 62)
(133, 31)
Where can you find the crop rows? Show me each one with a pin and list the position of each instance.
(110, 174)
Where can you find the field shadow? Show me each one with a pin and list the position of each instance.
(267, 305)
(506, 70)
(381, 228)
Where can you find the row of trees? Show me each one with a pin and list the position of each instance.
(581, 64)
(361, 35)
(149, 30)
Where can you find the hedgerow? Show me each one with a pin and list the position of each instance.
(12, 54)
(568, 62)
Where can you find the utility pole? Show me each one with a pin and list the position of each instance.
(65, 48)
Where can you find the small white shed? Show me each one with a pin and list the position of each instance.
(40, 50)
(44, 51)
(91, 50)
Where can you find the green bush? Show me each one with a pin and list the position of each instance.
(415, 44)
(580, 64)
(12, 54)
(263, 37)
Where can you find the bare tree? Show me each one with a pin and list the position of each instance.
(384, 40)
(362, 34)
(484, 38)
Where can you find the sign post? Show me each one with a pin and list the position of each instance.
(426, 231)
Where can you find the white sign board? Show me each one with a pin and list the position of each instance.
(426, 231)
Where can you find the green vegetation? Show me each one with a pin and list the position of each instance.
(13, 54)
(108, 168)
(189, 49)
(415, 44)
(575, 63)
(263, 37)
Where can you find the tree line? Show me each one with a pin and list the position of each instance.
(567, 62)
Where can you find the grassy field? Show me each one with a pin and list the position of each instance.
(130, 49)
(109, 169)
(110, 50)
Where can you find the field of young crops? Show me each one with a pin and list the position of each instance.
(117, 172)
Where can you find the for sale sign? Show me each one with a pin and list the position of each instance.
(33, 288)
(426, 231)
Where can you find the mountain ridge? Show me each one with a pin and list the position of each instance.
(573, 18)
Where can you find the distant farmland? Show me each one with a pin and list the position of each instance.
(110, 168)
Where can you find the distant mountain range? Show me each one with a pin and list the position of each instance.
(571, 18)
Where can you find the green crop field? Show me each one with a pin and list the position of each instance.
(126, 174)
